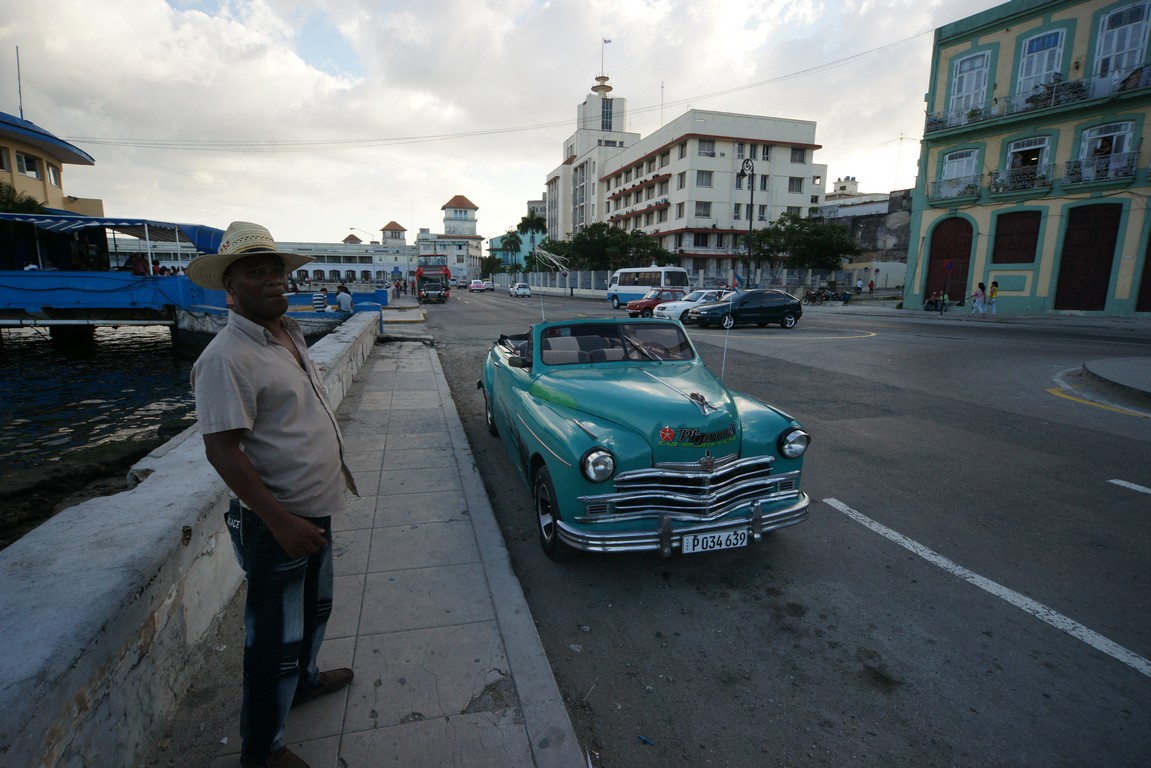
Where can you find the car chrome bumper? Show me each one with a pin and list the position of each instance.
(667, 538)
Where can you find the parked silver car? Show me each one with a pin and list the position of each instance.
(677, 310)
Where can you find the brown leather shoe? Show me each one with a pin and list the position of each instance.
(281, 758)
(330, 682)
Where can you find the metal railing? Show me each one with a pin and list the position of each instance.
(1019, 179)
(1119, 166)
(960, 186)
(1056, 93)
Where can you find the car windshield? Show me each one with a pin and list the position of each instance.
(694, 296)
(610, 342)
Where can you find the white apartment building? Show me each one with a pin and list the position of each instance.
(698, 183)
(574, 198)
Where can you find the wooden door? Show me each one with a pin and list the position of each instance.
(1088, 257)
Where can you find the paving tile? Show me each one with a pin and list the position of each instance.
(473, 741)
(429, 673)
(395, 601)
(416, 545)
(347, 605)
(428, 507)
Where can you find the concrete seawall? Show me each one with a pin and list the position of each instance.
(103, 604)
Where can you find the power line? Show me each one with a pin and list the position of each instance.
(328, 145)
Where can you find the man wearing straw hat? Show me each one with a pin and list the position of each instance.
(272, 436)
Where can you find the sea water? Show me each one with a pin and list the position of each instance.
(127, 384)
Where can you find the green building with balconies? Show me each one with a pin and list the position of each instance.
(1031, 170)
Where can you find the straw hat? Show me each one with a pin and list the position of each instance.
(242, 238)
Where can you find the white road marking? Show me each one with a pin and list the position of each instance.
(1036, 609)
(1132, 486)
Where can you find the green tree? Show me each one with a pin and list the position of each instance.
(797, 243)
(510, 245)
(511, 242)
(12, 201)
(491, 265)
(601, 246)
(532, 224)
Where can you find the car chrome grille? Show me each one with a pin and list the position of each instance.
(687, 491)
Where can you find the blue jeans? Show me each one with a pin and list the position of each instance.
(286, 613)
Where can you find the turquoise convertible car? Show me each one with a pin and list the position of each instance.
(629, 443)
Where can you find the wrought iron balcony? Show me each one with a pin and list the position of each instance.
(1022, 179)
(1046, 96)
(1119, 166)
(960, 186)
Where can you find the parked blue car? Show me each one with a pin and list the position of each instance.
(629, 443)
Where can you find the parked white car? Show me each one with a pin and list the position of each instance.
(677, 310)
(520, 291)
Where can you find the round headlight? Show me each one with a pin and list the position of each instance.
(793, 443)
(598, 465)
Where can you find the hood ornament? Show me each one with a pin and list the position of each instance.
(700, 401)
(707, 461)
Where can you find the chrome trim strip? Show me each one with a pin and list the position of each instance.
(649, 541)
(559, 458)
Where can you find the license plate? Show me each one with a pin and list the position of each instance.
(708, 542)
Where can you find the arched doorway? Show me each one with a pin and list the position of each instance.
(950, 244)
(1088, 256)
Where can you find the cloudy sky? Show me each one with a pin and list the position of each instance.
(315, 117)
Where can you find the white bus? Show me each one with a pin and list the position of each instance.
(634, 282)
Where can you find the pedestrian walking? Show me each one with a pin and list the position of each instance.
(993, 297)
(858, 286)
(977, 305)
(271, 434)
(871, 288)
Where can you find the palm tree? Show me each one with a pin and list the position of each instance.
(531, 224)
(510, 244)
(12, 201)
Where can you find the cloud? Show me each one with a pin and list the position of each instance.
(313, 116)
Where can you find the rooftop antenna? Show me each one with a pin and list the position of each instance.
(19, 86)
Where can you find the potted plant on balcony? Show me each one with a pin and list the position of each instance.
(975, 114)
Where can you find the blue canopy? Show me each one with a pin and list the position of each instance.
(204, 239)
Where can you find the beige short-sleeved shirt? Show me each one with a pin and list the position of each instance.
(244, 379)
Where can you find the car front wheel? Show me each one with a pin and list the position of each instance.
(728, 322)
(548, 517)
(645, 313)
(789, 320)
(683, 317)
(615, 302)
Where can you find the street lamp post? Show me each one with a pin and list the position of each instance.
(748, 172)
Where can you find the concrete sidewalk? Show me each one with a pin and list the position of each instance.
(449, 667)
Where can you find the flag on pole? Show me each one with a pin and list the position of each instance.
(606, 40)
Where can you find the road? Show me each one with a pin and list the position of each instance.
(972, 587)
